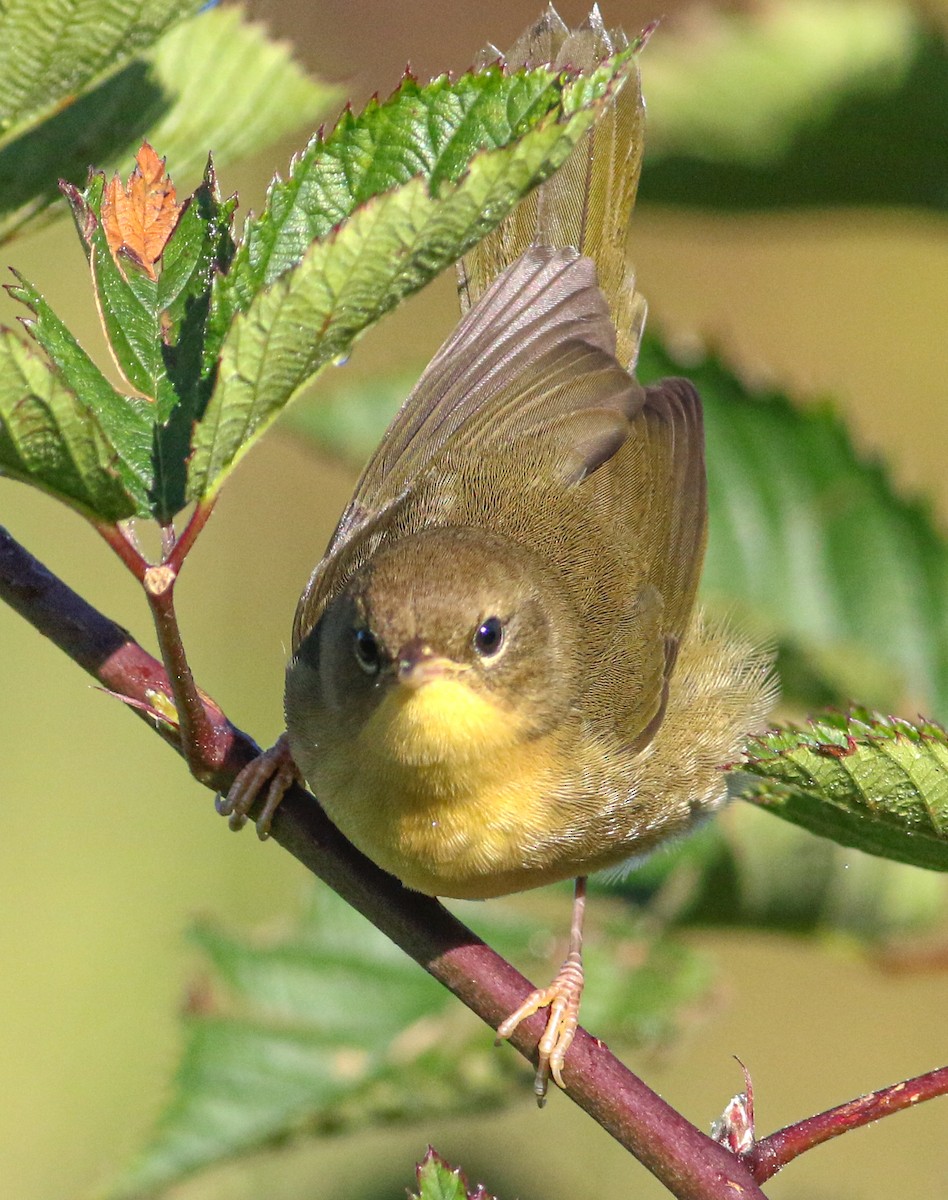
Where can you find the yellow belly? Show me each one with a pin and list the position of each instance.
(447, 791)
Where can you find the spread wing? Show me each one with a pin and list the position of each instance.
(527, 382)
(514, 364)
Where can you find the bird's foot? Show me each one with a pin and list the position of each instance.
(562, 997)
(273, 770)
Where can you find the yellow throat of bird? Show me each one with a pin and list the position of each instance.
(433, 717)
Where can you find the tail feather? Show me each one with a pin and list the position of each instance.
(588, 202)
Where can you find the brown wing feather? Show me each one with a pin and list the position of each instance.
(542, 302)
(652, 496)
(673, 413)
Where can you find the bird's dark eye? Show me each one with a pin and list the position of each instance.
(489, 637)
(366, 651)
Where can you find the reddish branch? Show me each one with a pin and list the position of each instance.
(772, 1153)
(204, 743)
(691, 1165)
(205, 734)
(109, 653)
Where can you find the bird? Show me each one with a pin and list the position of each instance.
(499, 674)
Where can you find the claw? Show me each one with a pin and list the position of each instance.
(274, 770)
(562, 997)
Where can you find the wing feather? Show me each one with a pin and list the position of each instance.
(543, 322)
(652, 497)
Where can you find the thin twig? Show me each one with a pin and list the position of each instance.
(690, 1164)
(120, 541)
(185, 541)
(772, 1153)
(203, 746)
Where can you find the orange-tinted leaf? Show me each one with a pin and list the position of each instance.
(138, 219)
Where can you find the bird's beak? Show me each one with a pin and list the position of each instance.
(417, 664)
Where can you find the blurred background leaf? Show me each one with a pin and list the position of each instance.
(330, 1028)
(847, 102)
(213, 83)
(810, 541)
(747, 871)
(49, 51)
(347, 418)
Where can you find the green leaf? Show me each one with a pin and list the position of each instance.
(275, 1045)
(125, 421)
(50, 51)
(428, 132)
(106, 123)
(864, 780)
(49, 439)
(156, 327)
(280, 1047)
(813, 542)
(843, 96)
(813, 678)
(438, 1181)
(420, 178)
(213, 82)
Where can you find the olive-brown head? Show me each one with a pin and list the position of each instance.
(447, 644)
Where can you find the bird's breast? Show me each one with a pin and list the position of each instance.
(446, 789)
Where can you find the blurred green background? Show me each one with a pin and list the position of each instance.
(109, 850)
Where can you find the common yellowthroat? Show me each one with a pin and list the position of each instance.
(498, 678)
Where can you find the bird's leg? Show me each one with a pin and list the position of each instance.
(562, 996)
(274, 770)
